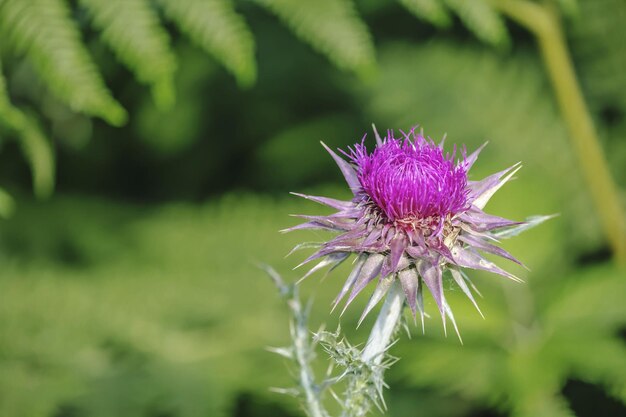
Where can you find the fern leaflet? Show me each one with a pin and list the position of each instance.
(34, 144)
(432, 11)
(216, 27)
(44, 32)
(332, 27)
(133, 30)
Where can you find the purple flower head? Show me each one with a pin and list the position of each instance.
(411, 179)
(414, 218)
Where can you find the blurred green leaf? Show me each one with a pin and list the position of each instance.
(217, 28)
(133, 30)
(45, 34)
(332, 27)
(432, 11)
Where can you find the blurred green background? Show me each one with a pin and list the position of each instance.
(147, 152)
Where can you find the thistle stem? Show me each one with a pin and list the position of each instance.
(302, 354)
(385, 326)
(543, 21)
(302, 347)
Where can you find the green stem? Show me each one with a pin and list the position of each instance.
(543, 21)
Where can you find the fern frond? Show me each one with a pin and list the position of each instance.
(131, 28)
(34, 144)
(216, 27)
(482, 20)
(332, 27)
(432, 11)
(43, 31)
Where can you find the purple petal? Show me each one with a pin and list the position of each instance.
(346, 169)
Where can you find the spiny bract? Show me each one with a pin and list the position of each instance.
(413, 216)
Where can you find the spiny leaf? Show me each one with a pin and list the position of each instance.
(43, 31)
(216, 27)
(482, 20)
(132, 29)
(332, 27)
(432, 11)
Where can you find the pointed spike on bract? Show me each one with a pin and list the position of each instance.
(443, 141)
(451, 316)
(378, 294)
(420, 303)
(482, 200)
(352, 277)
(327, 201)
(304, 245)
(527, 224)
(286, 352)
(329, 260)
(471, 259)
(409, 281)
(458, 278)
(346, 169)
(370, 270)
(379, 141)
(431, 276)
(471, 159)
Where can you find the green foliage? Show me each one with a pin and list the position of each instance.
(521, 367)
(45, 34)
(598, 42)
(432, 11)
(218, 29)
(133, 30)
(36, 147)
(332, 27)
(7, 204)
(478, 16)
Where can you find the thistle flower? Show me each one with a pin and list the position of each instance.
(414, 215)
